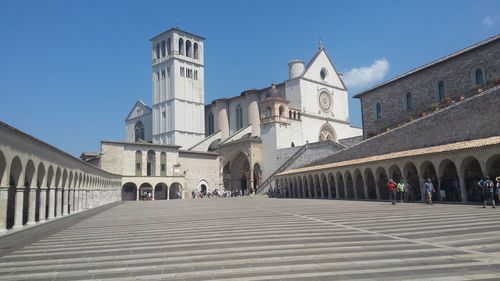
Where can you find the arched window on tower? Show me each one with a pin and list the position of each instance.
(269, 112)
(163, 164)
(169, 46)
(409, 101)
(479, 76)
(440, 90)
(289, 114)
(195, 51)
(181, 46)
(163, 48)
(157, 51)
(188, 49)
(138, 163)
(139, 131)
(378, 111)
(282, 111)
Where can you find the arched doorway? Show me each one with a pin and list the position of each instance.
(472, 174)
(146, 192)
(161, 191)
(370, 184)
(429, 172)
(449, 181)
(412, 181)
(129, 192)
(175, 191)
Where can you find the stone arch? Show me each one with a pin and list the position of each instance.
(15, 180)
(196, 51)
(240, 174)
(324, 186)
(181, 46)
(333, 187)
(339, 179)
(371, 185)
(427, 170)
(493, 166)
(382, 179)
(29, 181)
(449, 181)
(410, 173)
(129, 191)
(161, 191)
(349, 184)
(326, 132)
(175, 191)
(395, 173)
(471, 170)
(145, 191)
(359, 184)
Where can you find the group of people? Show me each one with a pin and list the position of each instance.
(275, 192)
(214, 193)
(489, 189)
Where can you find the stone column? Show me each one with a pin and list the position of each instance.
(463, 189)
(321, 187)
(52, 203)
(59, 202)
(365, 188)
(18, 217)
(329, 188)
(168, 193)
(377, 189)
(137, 196)
(77, 200)
(4, 197)
(32, 205)
(153, 194)
(65, 201)
(355, 189)
(43, 204)
(71, 203)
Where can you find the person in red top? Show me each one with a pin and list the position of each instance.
(392, 191)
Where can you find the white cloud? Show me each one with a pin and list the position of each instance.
(359, 77)
(489, 21)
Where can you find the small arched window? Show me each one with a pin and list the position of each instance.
(169, 46)
(157, 51)
(210, 123)
(282, 111)
(440, 90)
(150, 168)
(188, 49)
(139, 131)
(195, 50)
(290, 114)
(378, 111)
(294, 115)
(181, 46)
(269, 112)
(138, 163)
(479, 76)
(298, 115)
(409, 101)
(163, 48)
(163, 164)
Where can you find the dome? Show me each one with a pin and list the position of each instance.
(272, 92)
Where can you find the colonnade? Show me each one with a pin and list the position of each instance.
(454, 173)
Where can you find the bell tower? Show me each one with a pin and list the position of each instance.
(178, 88)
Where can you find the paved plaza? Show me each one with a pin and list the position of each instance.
(260, 239)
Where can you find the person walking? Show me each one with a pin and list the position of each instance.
(402, 190)
(429, 190)
(392, 191)
(498, 188)
(489, 192)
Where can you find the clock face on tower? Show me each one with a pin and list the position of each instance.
(325, 101)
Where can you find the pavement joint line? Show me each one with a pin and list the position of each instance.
(379, 233)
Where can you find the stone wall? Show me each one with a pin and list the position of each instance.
(457, 73)
(473, 118)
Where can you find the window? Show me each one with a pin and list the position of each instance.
(139, 131)
(168, 71)
(169, 46)
(188, 49)
(210, 123)
(323, 74)
(196, 75)
(163, 48)
(157, 51)
(195, 50)
(138, 111)
(150, 171)
(163, 114)
(282, 111)
(269, 112)
(181, 46)
(294, 115)
(378, 111)
(290, 114)
(409, 101)
(479, 77)
(138, 163)
(182, 71)
(163, 74)
(440, 90)
(239, 117)
(163, 164)
(157, 76)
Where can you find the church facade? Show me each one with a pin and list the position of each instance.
(248, 136)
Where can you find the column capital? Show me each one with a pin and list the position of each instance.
(43, 188)
(20, 189)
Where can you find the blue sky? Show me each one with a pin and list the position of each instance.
(70, 71)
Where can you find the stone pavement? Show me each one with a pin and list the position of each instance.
(263, 239)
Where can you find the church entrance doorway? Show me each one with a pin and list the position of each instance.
(243, 185)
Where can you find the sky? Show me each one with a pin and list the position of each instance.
(70, 71)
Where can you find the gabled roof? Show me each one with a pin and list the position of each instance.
(425, 66)
(141, 104)
(310, 63)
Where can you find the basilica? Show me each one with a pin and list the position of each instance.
(235, 143)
